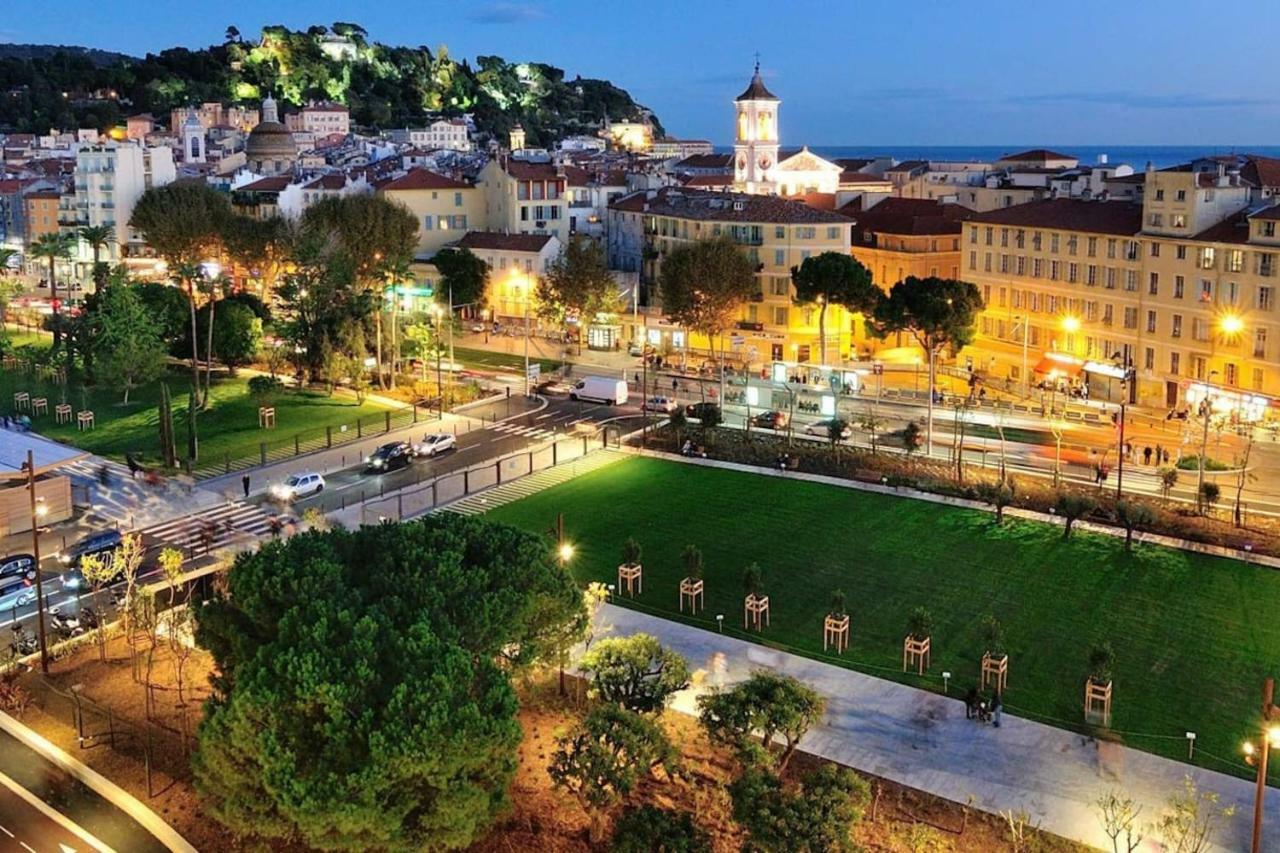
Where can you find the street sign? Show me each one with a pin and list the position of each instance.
(535, 370)
(877, 369)
(737, 340)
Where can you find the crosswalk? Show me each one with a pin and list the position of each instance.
(224, 524)
(526, 431)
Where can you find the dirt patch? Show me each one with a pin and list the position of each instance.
(542, 818)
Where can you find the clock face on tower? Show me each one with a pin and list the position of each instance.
(765, 162)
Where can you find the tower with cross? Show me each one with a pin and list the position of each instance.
(755, 143)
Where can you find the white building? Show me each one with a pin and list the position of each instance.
(446, 133)
(109, 180)
(321, 119)
(755, 142)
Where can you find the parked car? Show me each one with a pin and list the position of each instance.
(388, 457)
(635, 348)
(438, 442)
(771, 420)
(666, 405)
(98, 545)
(823, 428)
(18, 566)
(299, 486)
(10, 584)
(699, 411)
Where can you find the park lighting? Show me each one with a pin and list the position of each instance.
(1256, 756)
(1070, 324)
(211, 269)
(565, 552)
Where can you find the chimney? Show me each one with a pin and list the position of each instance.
(1102, 159)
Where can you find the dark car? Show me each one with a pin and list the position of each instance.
(390, 456)
(771, 420)
(701, 411)
(99, 544)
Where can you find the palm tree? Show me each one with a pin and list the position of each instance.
(212, 286)
(98, 237)
(8, 288)
(52, 247)
(186, 276)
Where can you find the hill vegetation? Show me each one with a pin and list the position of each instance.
(385, 86)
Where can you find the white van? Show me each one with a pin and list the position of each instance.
(600, 389)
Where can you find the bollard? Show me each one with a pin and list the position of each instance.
(296, 451)
(262, 449)
(387, 414)
(359, 433)
(328, 436)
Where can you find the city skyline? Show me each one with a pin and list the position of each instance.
(903, 77)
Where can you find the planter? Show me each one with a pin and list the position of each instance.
(1097, 702)
(915, 653)
(630, 579)
(754, 608)
(995, 671)
(835, 632)
(692, 590)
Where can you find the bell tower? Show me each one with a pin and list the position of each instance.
(755, 141)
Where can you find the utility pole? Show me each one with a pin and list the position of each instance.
(526, 337)
(1260, 789)
(1125, 385)
(35, 554)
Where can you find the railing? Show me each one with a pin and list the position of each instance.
(455, 485)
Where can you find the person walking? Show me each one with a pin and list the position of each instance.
(997, 707)
(1146, 455)
(244, 483)
(1159, 453)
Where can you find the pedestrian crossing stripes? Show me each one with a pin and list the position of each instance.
(527, 431)
(221, 525)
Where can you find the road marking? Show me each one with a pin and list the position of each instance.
(53, 815)
(5, 830)
(28, 846)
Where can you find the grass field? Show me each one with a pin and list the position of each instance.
(228, 427)
(22, 338)
(1193, 635)
(485, 358)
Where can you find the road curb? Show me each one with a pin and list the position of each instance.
(101, 785)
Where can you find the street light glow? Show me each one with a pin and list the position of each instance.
(565, 551)
(1231, 324)
(1070, 324)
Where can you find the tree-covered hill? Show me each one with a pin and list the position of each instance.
(385, 86)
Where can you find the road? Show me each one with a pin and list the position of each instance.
(44, 809)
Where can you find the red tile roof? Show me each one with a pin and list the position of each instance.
(1070, 214)
(1233, 229)
(331, 181)
(707, 180)
(1038, 155)
(705, 161)
(1272, 212)
(272, 184)
(498, 242)
(1262, 171)
(424, 179)
(523, 170)
(906, 216)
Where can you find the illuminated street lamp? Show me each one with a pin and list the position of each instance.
(484, 318)
(1070, 324)
(1231, 324)
(438, 312)
(565, 552)
(1257, 757)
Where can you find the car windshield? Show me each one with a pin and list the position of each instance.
(293, 481)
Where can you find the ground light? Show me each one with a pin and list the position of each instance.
(565, 552)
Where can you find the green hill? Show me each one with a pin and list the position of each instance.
(385, 86)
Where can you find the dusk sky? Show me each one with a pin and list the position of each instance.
(869, 72)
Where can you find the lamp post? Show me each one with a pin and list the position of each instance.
(484, 318)
(435, 309)
(1206, 408)
(38, 510)
(523, 286)
(1269, 737)
(1125, 384)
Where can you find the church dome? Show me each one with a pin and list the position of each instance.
(270, 140)
(756, 90)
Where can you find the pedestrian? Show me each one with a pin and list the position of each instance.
(244, 483)
(1159, 453)
(970, 702)
(1165, 459)
(1146, 455)
(997, 707)
(675, 385)
(104, 475)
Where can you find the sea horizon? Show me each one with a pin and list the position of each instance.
(1137, 156)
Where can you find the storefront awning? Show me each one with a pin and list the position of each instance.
(1057, 364)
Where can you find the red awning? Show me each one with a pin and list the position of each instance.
(1059, 364)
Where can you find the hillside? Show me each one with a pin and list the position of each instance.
(385, 86)
(48, 51)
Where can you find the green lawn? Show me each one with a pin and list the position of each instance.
(228, 428)
(514, 361)
(21, 338)
(1193, 635)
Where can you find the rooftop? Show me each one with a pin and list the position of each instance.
(1070, 214)
(424, 179)
(705, 161)
(273, 184)
(724, 207)
(906, 216)
(1036, 155)
(756, 90)
(499, 242)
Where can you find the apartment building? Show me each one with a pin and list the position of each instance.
(515, 261)
(448, 133)
(445, 208)
(109, 180)
(214, 114)
(776, 233)
(896, 238)
(525, 197)
(320, 119)
(1182, 287)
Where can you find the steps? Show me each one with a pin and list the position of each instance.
(525, 486)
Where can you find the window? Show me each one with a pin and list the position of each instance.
(1151, 322)
(1197, 366)
(1159, 195)
(1149, 359)
(457, 199)
(1175, 360)
(1228, 292)
(522, 191)
(1269, 228)
(1229, 371)
(1206, 290)
(1107, 314)
(779, 285)
(1073, 270)
(807, 232)
(1072, 243)
(1207, 258)
(990, 233)
(1131, 248)
(1182, 195)
(1260, 342)
(1054, 271)
(1178, 220)
(780, 232)
(986, 262)
(1093, 246)
(1037, 269)
(427, 223)
(1091, 275)
(1179, 284)
(1004, 238)
(1156, 220)
(779, 257)
(1266, 298)
(1155, 250)
(1153, 284)
(1176, 330)
(1111, 247)
(1235, 260)
(833, 232)
(1091, 312)
(779, 315)
(1020, 239)
(1199, 329)
(1182, 253)
(1257, 379)
(1131, 318)
(1037, 241)
(538, 189)
(973, 236)
(1267, 264)
(1111, 278)
(1004, 263)
(1131, 280)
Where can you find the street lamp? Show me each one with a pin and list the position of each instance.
(38, 511)
(1125, 384)
(435, 309)
(1269, 737)
(484, 318)
(521, 285)
(1070, 324)
(565, 552)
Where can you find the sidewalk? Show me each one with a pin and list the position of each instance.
(923, 740)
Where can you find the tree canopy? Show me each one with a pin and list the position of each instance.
(124, 339)
(766, 705)
(363, 696)
(182, 221)
(463, 274)
(578, 283)
(636, 672)
(703, 284)
(939, 312)
(833, 278)
(816, 815)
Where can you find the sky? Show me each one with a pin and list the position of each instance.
(856, 72)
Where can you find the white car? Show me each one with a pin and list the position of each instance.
(666, 405)
(434, 443)
(299, 486)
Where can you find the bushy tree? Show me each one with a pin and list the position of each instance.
(705, 283)
(834, 278)
(766, 705)
(637, 672)
(577, 286)
(462, 274)
(1133, 515)
(237, 335)
(125, 340)
(999, 494)
(1072, 507)
(818, 814)
(362, 697)
(649, 829)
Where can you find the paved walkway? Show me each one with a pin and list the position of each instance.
(514, 490)
(923, 740)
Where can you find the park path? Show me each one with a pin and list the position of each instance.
(923, 740)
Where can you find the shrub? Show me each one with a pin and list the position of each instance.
(920, 624)
(836, 607)
(1101, 659)
(752, 579)
(691, 556)
(648, 829)
(993, 635)
(264, 387)
(631, 552)
(1192, 463)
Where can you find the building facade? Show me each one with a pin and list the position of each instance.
(445, 208)
(755, 141)
(524, 197)
(321, 119)
(516, 261)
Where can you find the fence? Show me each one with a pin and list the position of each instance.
(455, 485)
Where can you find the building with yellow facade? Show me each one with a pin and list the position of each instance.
(776, 233)
(1181, 287)
(445, 208)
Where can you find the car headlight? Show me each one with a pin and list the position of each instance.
(65, 559)
(72, 582)
(377, 463)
